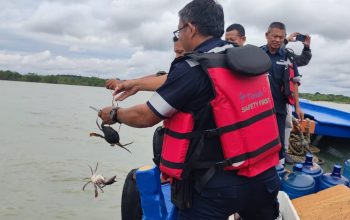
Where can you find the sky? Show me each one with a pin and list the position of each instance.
(132, 38)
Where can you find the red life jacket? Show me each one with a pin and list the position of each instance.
(291, 99)
(288, 80)
(246, 124)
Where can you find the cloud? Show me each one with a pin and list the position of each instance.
(139, 64)
(327, 18)
(131, 38)
(328, 68)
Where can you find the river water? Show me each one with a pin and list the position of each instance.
(45, 150)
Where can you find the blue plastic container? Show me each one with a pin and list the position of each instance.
(151, 195)
(281, 170)
(331, 179)
(297, 183)
(346, 172)
(312, 169)
(171, 208)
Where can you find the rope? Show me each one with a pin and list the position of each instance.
(299, 143)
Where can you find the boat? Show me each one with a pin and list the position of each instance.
(328, 121)
(146, 197)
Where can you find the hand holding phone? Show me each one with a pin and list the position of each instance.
(300, 37)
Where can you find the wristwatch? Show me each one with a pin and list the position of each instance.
(113, 115)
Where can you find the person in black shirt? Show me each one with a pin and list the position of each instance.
(188, 89)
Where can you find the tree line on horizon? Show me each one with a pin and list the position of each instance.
(54, 79)
(95, 81)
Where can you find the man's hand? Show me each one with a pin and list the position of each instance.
(292, 36)
(300, 113)
(307, 41)
(127, 87)
(104, 114)
(113, 83)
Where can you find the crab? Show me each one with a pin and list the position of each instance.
(98, 180)
(110, 135)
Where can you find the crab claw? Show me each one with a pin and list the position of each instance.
(96, 135)
(110, 181)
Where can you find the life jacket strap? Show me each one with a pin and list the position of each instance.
(219, 131)
(179, 135)
(172, 165)
(239, 125)
(192, 162)
(202, 182)
(248, 155)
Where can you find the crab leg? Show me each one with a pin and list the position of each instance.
(123, 146)
(96, 167)
(86, 184)
(100, 187)
(92, 172)
(96, 135)
(98, 124)
(96, 192)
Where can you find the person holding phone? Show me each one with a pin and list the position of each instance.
(300, 60)
(281, 63)
(304, 58)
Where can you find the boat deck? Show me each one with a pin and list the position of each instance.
(329, 121)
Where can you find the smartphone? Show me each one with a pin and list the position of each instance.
(300, 37)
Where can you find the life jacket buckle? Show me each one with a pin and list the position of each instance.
(211, 133)
(222, 164)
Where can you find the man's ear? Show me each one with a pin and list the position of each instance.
(192, 29)
(266, 34)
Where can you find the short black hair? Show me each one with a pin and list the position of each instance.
(278, 25)
(206, 15)
(238, 27)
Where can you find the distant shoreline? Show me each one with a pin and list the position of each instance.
(98, 82)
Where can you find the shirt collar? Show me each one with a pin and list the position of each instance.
(209, 44)
(281, 51)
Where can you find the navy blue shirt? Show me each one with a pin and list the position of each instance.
(187, 88)
(279, 64)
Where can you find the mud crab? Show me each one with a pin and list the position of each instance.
(300, 143)
(110, 135)
(98, 180)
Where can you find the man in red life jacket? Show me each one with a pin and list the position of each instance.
(300, 60)
(275, 36)
(247, 184)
